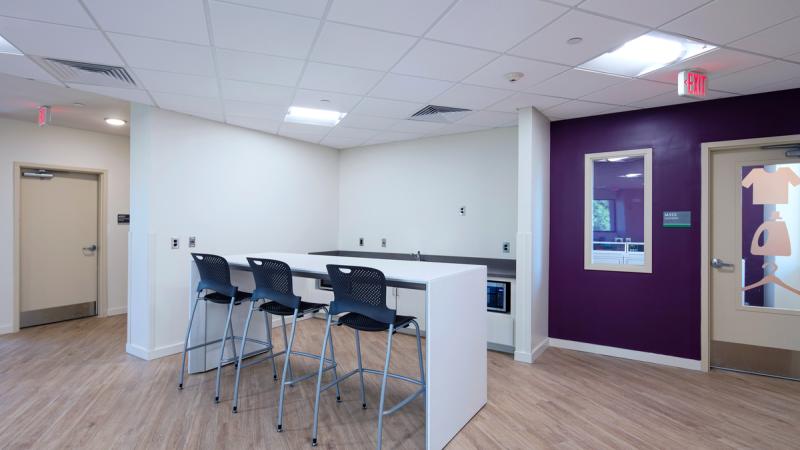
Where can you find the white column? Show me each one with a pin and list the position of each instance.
(533, 235)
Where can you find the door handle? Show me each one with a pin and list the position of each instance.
(720, 264)
(90, 248)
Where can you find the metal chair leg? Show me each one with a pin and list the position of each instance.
(222, 349)
(287, 354)
(233, 341)
(286, 344)
(419, 354)
(361, 372)
(186, 342)
(383, 385)
(319, 379)
(268, 330)
(240, 357)
(333, 361)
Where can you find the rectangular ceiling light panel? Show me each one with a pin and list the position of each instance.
(647, 53)
(311, 116)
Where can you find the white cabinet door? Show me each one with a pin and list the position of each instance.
(411, 302)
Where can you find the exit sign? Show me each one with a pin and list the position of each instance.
(692, 83)
(44, 115)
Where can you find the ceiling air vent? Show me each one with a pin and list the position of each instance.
(88, 73)
(439, 114)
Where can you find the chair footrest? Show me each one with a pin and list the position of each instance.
(374, 372)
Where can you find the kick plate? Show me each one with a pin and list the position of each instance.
(57, 314)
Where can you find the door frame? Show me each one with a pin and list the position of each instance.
(705, 228)
(102, 233)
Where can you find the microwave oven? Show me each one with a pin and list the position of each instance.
(498, 296)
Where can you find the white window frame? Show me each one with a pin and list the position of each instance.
(588, 232)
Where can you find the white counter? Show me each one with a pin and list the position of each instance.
(455, 310)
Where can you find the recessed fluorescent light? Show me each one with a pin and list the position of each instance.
(647, 53)
(311, 116)
(6, 47)
(631, 175)
(114, 122)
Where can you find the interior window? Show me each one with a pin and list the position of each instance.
(618, 211)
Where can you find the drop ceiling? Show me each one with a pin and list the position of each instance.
(245, 62)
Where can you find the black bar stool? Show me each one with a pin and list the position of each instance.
(215, 286)
(361, 293)
(273, 281)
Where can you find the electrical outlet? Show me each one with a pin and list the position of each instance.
(174, 243)
(383, 242)
(462, 211)
(192, 241)
(360, 242)
(506, 247)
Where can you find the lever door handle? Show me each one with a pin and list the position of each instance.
(720, 264)
(90, 248)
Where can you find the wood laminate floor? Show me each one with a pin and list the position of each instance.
(71, 385)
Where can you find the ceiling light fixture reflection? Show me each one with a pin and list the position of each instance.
(631, 175)
(647, 53)
(114, 122)
(311, 116)
(6, 47)
(617, 159)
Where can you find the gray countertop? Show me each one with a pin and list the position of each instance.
(496, 267)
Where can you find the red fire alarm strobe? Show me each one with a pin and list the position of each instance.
(692, 83)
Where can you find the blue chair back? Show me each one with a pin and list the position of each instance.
(273, 282)
(361, 290)
(215, 274)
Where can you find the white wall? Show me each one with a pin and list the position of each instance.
(237, 190)
(409, 193)
(26, 142)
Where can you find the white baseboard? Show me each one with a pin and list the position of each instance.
(117, 311)
(158, 352)
(6, 328)
(523, 357)
(636, 355)
(539, 349)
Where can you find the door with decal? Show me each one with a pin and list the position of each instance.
(755, 246)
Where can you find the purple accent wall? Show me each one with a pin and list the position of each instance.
(658, 312)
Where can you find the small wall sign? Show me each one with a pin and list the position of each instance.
(123, 219)
(677, 219)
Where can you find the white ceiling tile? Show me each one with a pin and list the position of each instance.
(724, 21)
(359, 47)
(387, 108)
(336, 102)
(751, 79)
(407, 16)
(780, 40)
(21, 66)
(493, 74)
(716, 63)
(305, 137)
(156, 54)
(793, 83)
(340, 143)
(311, 8)
(348, 80)
(178, 83)
(619, 109)
(183, 103)
(58, 41)
(252, 109)
(65, 12)
(131, 95)
(258, 68)
(568, 2)
(489, 119)
(470, 97)
(442, 61)
(599, 35)
(575, 83)
(340, 132)
(647, 12)
(577, 108)
(795, 57)
(257, 30)
(522, 100)
(672, 98)
(391, 136)
(412, 89)
(367, 122)
(213, 116)
(176, 20)
(456, 128)
(301, 129)
(494, 25)
(254, 123)
(417, 126)
(256, 92)
(630, 91)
